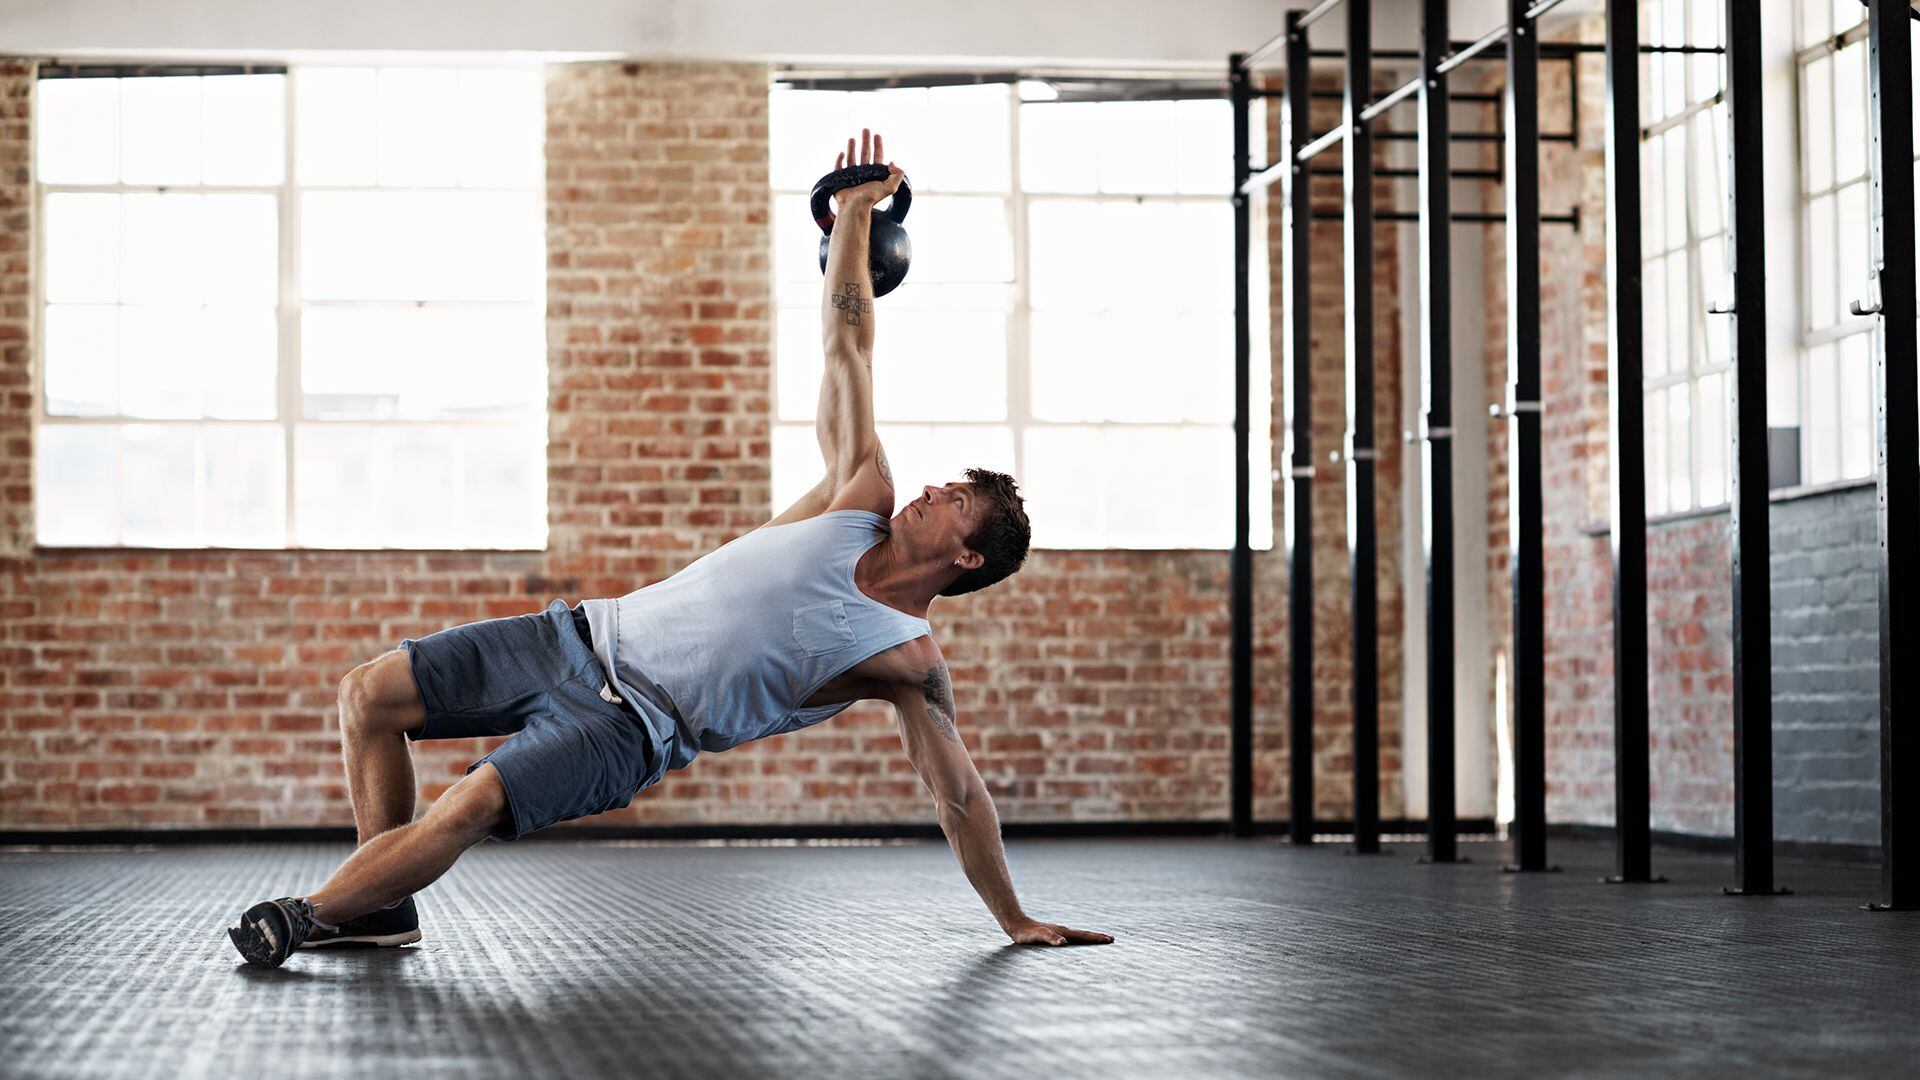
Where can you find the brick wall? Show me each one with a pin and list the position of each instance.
(183, 689)
(1826, 667)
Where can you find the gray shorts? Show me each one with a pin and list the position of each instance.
(576, 749)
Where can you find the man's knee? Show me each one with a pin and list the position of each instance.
(474, 807)
(380, 697)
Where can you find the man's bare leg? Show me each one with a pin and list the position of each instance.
(402, 861)
(379, 704)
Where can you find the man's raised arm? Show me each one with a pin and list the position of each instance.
(844, 421)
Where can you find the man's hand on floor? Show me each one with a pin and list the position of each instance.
(1040, 933)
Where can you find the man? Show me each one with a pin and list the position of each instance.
(823, 606)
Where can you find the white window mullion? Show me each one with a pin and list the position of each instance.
(288, 380)
(1019, 321)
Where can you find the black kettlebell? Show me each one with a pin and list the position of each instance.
(888, 249)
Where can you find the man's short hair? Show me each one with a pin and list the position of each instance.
(1002, 535)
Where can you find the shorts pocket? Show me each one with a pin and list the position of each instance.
(822, 628)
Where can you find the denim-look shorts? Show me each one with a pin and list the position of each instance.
(576, 750)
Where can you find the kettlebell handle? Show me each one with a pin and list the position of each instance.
(854, 176)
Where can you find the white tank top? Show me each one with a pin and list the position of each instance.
(731, 645)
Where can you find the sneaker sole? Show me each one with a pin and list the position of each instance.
(368, 941)
(255, 943)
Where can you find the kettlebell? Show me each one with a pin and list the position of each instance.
(888, 249)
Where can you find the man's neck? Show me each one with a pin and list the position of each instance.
(883, 575)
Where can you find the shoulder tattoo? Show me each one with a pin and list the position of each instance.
(886, 471)
(938, 692)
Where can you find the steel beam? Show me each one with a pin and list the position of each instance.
(1626, 446)
(1523, 440)
(1240, 562)
(1299, 479)
(1436, 388)
(1752, 604)
(1362, 546)
(1890, 57)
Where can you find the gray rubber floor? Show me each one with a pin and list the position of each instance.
(1234, 959)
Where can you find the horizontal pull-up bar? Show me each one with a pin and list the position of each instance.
(1413, 174)
(1460, 217)
(1318, 11)
(1339, 134)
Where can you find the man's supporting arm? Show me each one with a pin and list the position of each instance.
(965, 808)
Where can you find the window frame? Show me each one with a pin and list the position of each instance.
(289, 312)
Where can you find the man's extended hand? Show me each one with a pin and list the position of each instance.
(865, 196)
(1040, 933)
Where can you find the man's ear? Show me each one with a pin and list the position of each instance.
(972, 560)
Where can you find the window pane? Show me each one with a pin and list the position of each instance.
(939, 454)
(1714, 447)
(160, 130)
(1679, 451)
(1716, 284)
(157, 496)
(334, 125)
(1129, 487)
(1198, 248)
(901, 117)
(1657, 500)
(1847, 14)
(1823, 416)
(503, 127)
(245, 128)
(1205, 161)
(796, 241)
(83, 248)
(1852, 241)
(798, 363)
(1710, 162)
(1856, 405)
(418, 127)
(241, 362)
(971, 151)
(1134, 139)
(1064, 241)
(240, 239)
(83, 359)
(1821, 287)
(1813, 21)
(244, 475)
(422, 363)
(161, 346)
(1059, 147)
(956, 238)
(77, 484)
(937, 364)
(1816, 131)
(1680, 313)
(797, 464)
(453, 245)
(77, 128)
(1674, 173)
(418, 486)
(1850, 112)
(161, 258)
(1653, 325)
(806, 128)
(1674, 85)
(1652, 186)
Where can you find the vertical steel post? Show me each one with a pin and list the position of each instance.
(1362, 554)
(1627, 454)
(1436, 349)
(1240, 563)
(1523, 439)
(1299, 493)
(1752, 605)
(1890, 52)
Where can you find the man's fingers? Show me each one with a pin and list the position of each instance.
(1087, 937)
(878, 154)
(866, 147)
(849, 151)
(837, 159)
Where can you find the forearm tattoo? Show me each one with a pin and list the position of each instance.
(939, 696)
(849, 301)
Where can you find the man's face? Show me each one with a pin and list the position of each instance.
(942, 517)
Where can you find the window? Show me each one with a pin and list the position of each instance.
(1837, 420)
(297, 310)
(1683, 164)
(1068, 317)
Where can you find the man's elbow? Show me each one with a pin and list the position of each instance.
(958, 798)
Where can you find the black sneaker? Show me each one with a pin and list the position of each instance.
(397, 925)
(270, 930)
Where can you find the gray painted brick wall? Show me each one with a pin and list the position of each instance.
(1826, 657)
